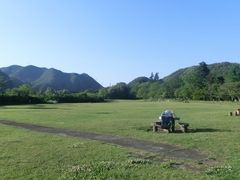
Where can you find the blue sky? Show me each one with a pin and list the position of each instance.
(116, 41)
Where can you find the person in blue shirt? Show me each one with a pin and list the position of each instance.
(167, 120)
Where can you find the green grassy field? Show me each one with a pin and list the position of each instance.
(31, 155)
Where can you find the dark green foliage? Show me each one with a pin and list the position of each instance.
(230, 91)
(202, 70)
(150, 89)
(144, 88)
(66, 97)
(119, 91)
(219, 81)
(224, 69)
(156, 77)
(138, 80)
(21, 95)
(23, 90)
(235, 73)
(152, 76)
(26, 95)
(63, 96)
(195, 82)
(14, 100)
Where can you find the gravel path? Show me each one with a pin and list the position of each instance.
(160, 148)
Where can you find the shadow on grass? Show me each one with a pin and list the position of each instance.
(103, 112)
(197, 130)
(207, 130)
(28, 107)
(144, 128)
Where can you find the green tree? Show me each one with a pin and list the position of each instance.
(103, 93)
(196, 82)
(152, 76)
(23, 91)
(235, 74)
(154, 90)
(143, 90)
(203, 70)
(231, 90)
(119, 91)
(214, 84)
(156, 77)
(50, 95)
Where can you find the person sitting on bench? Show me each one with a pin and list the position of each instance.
(167, 120)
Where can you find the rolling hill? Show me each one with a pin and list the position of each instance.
(43, 78)
(224, 69)
(221, 81)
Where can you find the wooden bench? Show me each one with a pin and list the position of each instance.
(183, 127)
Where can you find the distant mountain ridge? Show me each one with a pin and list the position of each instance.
(43, 78)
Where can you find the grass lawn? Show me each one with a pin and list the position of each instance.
(31, 155)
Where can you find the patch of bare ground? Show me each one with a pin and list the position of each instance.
(186, 158)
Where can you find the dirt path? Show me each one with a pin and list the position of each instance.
(159, 148)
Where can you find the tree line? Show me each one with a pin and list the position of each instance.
(196, 83)
(26, 95)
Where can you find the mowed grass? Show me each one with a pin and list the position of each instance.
(31, 155)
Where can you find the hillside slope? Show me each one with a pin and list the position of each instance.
(7, 82)
(201, 82)
(224, 69)
(43, 78)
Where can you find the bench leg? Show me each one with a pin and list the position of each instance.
(155, 128)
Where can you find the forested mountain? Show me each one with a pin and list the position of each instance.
(6, 82)
(202, 82)
(224, 69)
(229, 71)
(43, 78)
(219, 81)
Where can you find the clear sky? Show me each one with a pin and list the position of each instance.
(119, 40)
